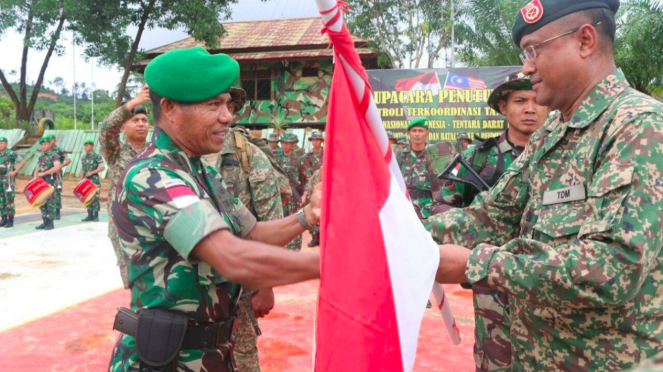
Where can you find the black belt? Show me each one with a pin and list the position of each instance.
(419, 194)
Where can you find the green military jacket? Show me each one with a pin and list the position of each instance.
(311, 162)
(91, 162)
(573, 233)
(8, 161)
(46, 161)
(167, 203)
(458, 194)
(292, 166)
(420, 170)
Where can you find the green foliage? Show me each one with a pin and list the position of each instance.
(638, 46)
(484, 35)
(403, 32)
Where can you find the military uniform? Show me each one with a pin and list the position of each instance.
(311, 162)
(292, 166)
(45, 162)
(257, 188)
(420, 170)
(62, 156)
(572, 232)
(117, 153)
(168, 203)
(8, 162)
(91, 162)
(275, 138)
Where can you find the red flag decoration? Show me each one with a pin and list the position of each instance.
(377, 261)
(427, 81)
(460, 82)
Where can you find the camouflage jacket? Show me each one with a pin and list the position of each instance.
(91, 162)
(458, 194)
(256, 187)
(8, 161)
(62, 155)
(573, 232)
(47, 161)
(168, 203)
(117, 153)
(292, 166)
(311, 162)
(420, 170)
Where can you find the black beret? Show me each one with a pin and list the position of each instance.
(538, 13)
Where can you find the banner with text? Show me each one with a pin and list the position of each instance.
(453, 100)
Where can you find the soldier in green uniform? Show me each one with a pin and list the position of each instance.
(64, 161)
(420, 165)
(273, 141)
(191, 243)
(573, 229)
(92, 164)
(401, 144)
(291, 164)
(515, 99)
(10, 164)
(130, 119)
(250, 177)
(311, 162)
(48, 165)
(463, 141)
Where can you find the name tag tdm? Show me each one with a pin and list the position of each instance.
(567, 194)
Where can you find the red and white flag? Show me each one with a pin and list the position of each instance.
(427, 81)
(378, 263)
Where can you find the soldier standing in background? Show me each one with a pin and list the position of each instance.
(311, 162)
(48, 165)
(291, 164)
(463, 141)
(130, 119)
(92, 165)
(8, 171)
(64, 159)
(274, 144)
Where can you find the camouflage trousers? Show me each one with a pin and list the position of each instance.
(119, 253)
(288, 209)
(94, 206)
(48, 209)
(246, 343)
(492, 346)
(7, 198)
(58, 197)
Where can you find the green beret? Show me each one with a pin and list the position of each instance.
(289, 137)
(538, 13)
(139, 110)
(273, 137)
(421, 122)
(191, 75)
(316, 136)
(89, 142)
(44, 139)
(512, 84)
(3, 139)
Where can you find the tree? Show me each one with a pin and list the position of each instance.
(200, 18)
(405, 32)
(638, 47)
(484, 33)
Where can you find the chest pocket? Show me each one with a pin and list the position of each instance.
(560, 221)
(606, 197)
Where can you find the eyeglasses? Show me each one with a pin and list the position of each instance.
(529, 53)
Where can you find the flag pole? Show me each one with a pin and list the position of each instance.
(374, 121)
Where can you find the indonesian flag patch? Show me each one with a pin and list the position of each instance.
(532, 12)
(181, 195)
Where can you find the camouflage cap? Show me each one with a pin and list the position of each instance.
(462, 135)
(538, 13)
(238, 97)
(390, 135)
(421, 122)
(273, 137)
(317, 135)
(289, 137)
(403, 141)
(89, 142)
(3, 139)
(513, 83)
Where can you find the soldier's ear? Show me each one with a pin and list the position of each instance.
(503, 107)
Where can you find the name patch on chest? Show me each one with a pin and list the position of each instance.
(567, 194)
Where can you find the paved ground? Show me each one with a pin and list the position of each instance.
(60, 289)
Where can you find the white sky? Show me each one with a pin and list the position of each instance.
(108, 78)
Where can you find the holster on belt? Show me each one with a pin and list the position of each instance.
(160, 335)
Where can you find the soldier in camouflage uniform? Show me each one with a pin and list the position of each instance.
(130, 119)
(291, 164)
(311, 162)
(400, 145)
(573, 230)
(463, 141)
(64, 161)
(48, 165)
(420, 165)
(189, 240)
(250, 177)
(92, 165)
(515, 99)
(273, 141)
(10, 164)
